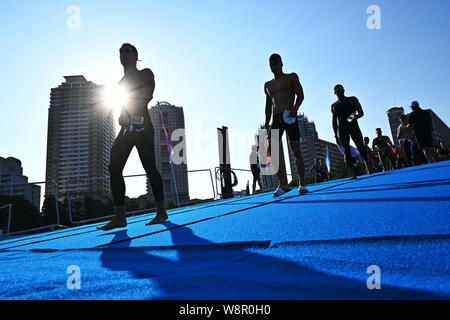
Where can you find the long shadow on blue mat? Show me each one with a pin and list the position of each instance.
(206, 270)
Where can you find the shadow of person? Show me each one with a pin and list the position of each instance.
(199, 269)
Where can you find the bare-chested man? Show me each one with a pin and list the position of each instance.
(137, 130)
(281, 93)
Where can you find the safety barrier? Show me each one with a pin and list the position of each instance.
(9, 216)
(130, 213)
(218, 169)
(52, 226)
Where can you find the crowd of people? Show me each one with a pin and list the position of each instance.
(416, 146)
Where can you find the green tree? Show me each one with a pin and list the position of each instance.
(341, 170)
(49, 210)
(24, 215)
(131, 204)
(93, 208)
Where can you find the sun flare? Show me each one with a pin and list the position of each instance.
(115, 97)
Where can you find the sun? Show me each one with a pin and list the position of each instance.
(115, 97)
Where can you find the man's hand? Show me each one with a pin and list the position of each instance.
(338, 141)
(124, 119)
(293, 113)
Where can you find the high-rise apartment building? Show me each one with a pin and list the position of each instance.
(173, 120)
(80, 136)
(441, 131)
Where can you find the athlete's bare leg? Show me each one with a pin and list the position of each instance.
(119, 220)
(281, 173)
(299, 163)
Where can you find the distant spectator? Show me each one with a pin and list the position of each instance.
(443, 152)
(406, 137)
(325, 173)
(255, 168)
(400, 157)
(372, 163)
(317, 171)
(420, 120)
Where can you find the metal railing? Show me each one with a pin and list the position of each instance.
(130, 213)
(8, 229)
(52, 226)
(217, 169)
(200, 170)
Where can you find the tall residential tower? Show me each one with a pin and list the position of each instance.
(173, 120)
(80, 136)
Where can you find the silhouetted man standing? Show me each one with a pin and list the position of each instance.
(420, 120)
(346, 111)
(137, 130)
(280, 95)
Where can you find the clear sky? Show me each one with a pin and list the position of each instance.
(211, 58)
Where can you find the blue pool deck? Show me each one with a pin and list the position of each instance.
(315, 246)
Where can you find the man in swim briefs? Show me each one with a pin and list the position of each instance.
(285, 93)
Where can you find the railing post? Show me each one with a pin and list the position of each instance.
(212, 184)
(8, 227)
(56, 202)
(69, 206)
(9, 220)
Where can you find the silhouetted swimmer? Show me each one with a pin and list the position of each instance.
(137, 130)
(316, 169)
(346, 111)
(281, 93)
(420, 120)
(255, 168)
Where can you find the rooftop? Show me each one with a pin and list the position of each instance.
(315, 246)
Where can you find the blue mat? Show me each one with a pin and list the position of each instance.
(316, 246)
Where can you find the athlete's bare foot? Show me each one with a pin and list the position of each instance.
(161, 214)
(302, 190)
(159, 218)
(114, 223)
(280, 191)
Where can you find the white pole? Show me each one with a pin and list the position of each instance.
(170, 158)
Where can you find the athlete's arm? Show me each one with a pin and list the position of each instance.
(334, 122)
(358, 108)
(148, 86)
(298, 90)
(269, 103)
(388, 140)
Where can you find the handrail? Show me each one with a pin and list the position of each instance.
(216, 169)
(55, 189)
(9, 216)
(131, 213)
(90, 179)
(202, 170)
